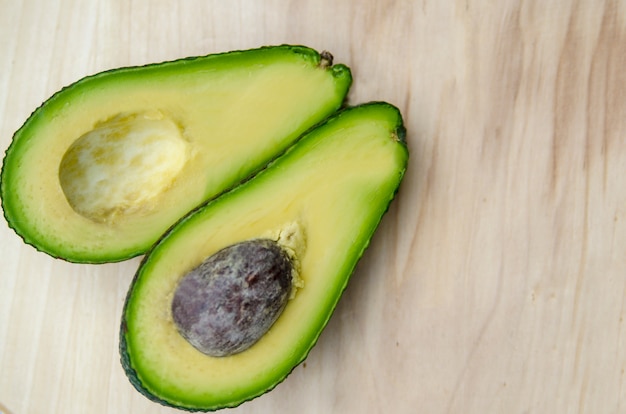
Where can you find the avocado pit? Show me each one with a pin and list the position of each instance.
(122, 165)
(227, 303)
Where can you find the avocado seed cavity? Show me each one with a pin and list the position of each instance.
(122, 165)
(227, 303)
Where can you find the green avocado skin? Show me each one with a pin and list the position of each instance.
(399, 135)
(56, 246)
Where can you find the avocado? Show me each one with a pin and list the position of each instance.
(106, 165)
(317, 205)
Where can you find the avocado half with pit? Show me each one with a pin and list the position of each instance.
(276, 251)
(106, 165)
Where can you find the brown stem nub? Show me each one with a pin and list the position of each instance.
(326, 59)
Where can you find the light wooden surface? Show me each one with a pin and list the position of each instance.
(495, 284)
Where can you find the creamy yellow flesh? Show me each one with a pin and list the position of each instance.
(222, 119)
(335, 192)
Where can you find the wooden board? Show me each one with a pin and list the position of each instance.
(496, 282)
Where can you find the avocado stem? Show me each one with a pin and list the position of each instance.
(326, 60)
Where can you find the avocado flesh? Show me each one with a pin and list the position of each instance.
(328, 192)
(234, 112)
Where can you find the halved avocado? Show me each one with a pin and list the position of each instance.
(321, 201)
(106, 165)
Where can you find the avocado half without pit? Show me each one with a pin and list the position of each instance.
(234, 295)
(101, 169)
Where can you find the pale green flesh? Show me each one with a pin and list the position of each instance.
(336, 184)
(236, 111)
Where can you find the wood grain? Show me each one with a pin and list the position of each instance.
(496, 282)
